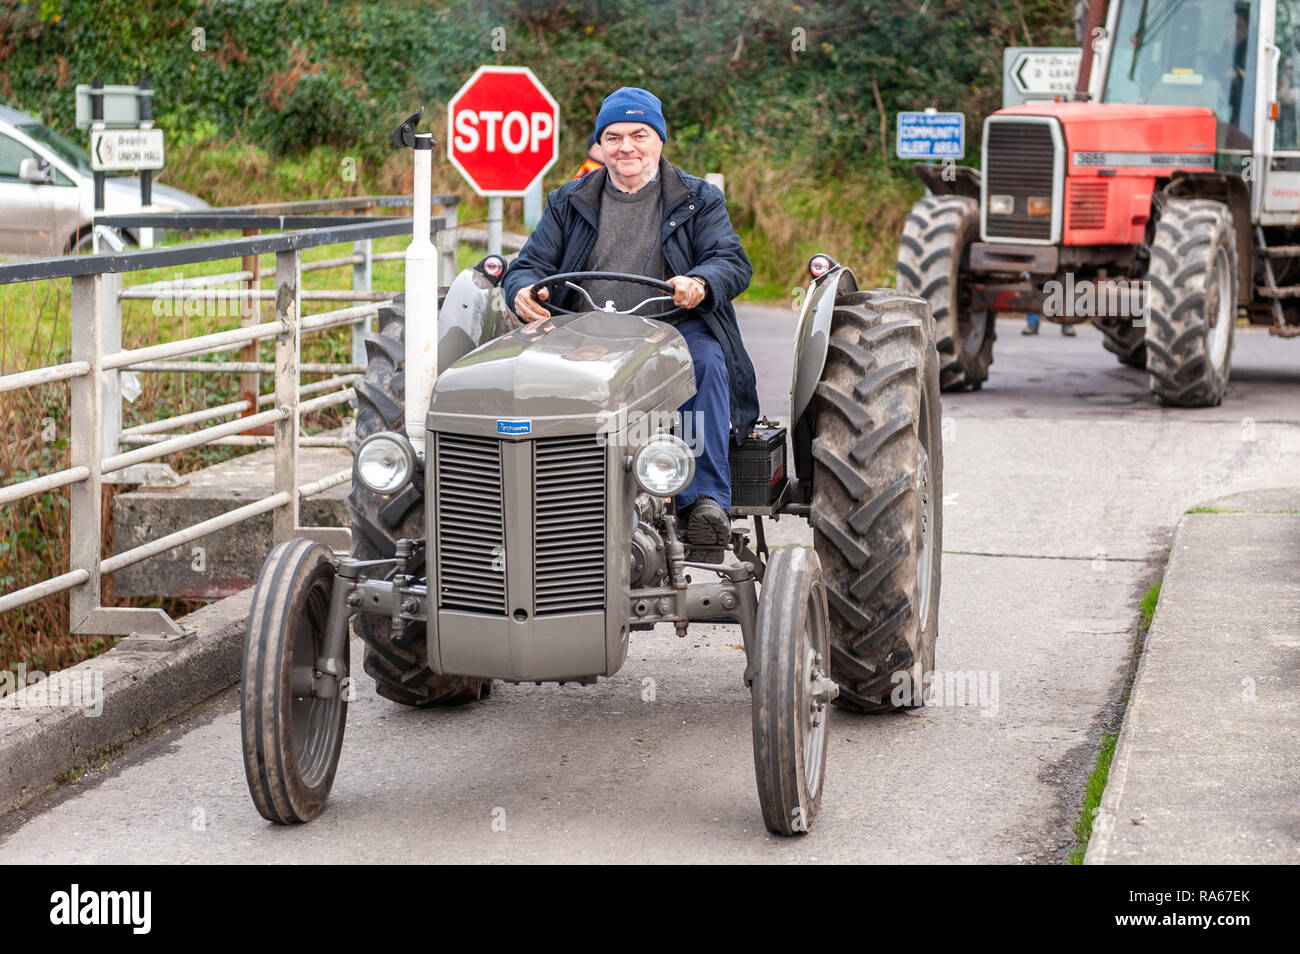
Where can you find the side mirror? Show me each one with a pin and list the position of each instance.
(36, 170)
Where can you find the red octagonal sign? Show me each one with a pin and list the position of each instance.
(503, 130)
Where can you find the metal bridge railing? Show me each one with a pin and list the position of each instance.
(101, 450)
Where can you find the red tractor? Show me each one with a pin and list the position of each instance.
(1159, 205)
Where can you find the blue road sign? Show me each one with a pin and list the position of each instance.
(931, 135)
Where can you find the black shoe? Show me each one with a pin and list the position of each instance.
(1068, 331)
(708, 531)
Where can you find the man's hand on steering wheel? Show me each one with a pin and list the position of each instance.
(688, 291)
(527, 309)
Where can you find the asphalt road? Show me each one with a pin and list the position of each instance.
(1063, 482)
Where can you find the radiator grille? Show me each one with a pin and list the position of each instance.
(569, 525)
(471, 535)
(1086, 202)
(1020, 164)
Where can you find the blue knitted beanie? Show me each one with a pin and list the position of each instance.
(632, 105)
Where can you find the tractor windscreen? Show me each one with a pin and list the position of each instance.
(1287, 137)
(1189, 53)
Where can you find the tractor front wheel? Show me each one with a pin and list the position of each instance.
(792, 690)
(292, 737)
(1125, 341)
(933, 254)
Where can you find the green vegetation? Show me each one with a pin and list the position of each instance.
(785, 81)
(1147, 610)
(1210, 510)
(794, 103)
(1092, 798)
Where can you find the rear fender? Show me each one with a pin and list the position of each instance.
(1233, 192)
(810, 358)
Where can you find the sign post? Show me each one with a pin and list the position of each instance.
(503, 132)
(96, 127)
(122, 139)
(146, 174)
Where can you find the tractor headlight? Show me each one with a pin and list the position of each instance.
(385, 462)
(664, 465)
(1039, 205)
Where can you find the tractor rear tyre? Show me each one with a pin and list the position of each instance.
(792, 691)
(1193, 292)
(400, 667)
(1125, 342)
(292, 738)
(877, 497)
(933, 252)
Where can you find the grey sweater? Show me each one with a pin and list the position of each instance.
(628, 241)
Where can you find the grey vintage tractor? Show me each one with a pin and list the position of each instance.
(520, 526)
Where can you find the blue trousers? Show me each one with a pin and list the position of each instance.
(706, 418)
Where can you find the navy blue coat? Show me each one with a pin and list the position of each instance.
(697, 239)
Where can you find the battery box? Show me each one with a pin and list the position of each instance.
(758, 467)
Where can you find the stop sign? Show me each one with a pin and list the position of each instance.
(503, 130)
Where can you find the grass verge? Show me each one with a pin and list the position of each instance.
(1148, 607)
(1096, 782)
(1092, 797)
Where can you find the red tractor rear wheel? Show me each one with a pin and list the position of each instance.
(1193, 292)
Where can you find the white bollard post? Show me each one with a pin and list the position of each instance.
(421, 300)
(495, 205)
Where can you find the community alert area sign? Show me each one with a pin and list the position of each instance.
(931, 135)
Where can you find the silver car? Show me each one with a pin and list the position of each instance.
(47, 191)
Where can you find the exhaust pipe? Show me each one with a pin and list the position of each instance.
(421, 286)
(1092, 22)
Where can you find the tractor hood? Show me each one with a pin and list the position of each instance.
(569, 374)
(1125, 139)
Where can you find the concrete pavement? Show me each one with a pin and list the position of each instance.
(1205, 769)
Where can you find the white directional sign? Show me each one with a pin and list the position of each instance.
(1038, 73)
(126, 150)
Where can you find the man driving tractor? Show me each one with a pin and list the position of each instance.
(643, 215)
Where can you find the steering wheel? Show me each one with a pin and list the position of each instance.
(568, 279)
